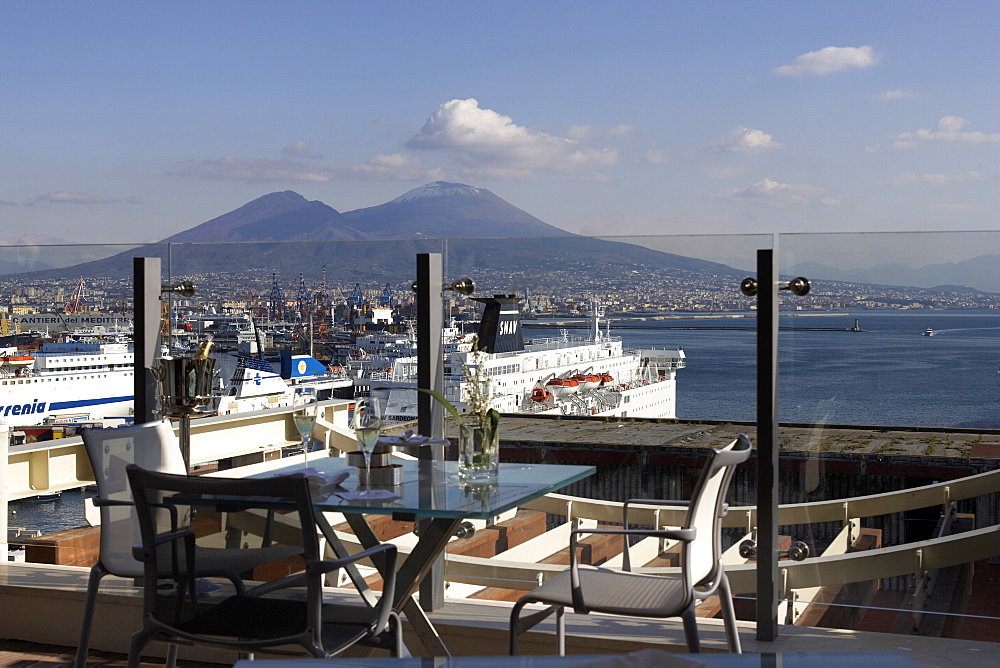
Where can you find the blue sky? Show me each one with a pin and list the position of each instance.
(130, 121)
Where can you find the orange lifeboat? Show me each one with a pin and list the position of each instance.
(540, 394)
(606, 378)
(588, 381)
(562, 386)
(7, 359)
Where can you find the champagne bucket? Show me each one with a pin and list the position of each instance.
(185, 383)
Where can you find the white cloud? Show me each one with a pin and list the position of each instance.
(771, 193)
(66, 197)
(744, 140)
(896, 94)
(655, 156)
(257, 170)
(301, 149)
(394, 166)
(947, 130)
(483, 140)
(908, 178)
(829, 60)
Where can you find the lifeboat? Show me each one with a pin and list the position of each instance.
(540, 394)
(588, 381)
(606, 378)
(16, 360)
(559, 386)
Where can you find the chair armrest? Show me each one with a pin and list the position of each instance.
(626, 562)
(141, 553)
(98, 502)
(327, 565)
(388, 571)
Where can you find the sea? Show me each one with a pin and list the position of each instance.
(885, 373)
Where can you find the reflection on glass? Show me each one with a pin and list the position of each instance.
(304, 406)
(367, 422)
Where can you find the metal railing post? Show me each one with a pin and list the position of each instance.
(430, 318)
(5, 436)
(767, 445)
(430, 374)
(146, 292)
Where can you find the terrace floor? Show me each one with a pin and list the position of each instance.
(48, 600)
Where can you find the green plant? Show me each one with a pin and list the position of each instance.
(477, 396)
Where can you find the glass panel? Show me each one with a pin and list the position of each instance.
(888, 382)
(675, 341)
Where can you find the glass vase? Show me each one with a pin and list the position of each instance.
(478, 454)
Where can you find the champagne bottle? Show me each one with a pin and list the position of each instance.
(203, 349)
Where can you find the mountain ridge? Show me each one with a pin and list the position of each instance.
(480, 231)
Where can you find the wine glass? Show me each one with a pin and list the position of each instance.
(304, 413)
(367, 422)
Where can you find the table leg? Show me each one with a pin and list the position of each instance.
(431, 543)
(351, 569)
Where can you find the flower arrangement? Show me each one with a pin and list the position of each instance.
(479, 424)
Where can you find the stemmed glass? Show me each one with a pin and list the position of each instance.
(366, 423)
(304, 407)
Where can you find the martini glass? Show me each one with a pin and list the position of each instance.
(367, 422)
(304, 407)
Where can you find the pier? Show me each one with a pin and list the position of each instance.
(662, 322)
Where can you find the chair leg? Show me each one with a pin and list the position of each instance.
(83, 644)
(172, 655)
(561, 630)
(515, 630)
(396, 624)
(519, 626)
(729, 615)
(691, 629)
(136, 645)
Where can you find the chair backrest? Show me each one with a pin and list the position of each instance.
(162, 495)
(702, 555)
(153, 446)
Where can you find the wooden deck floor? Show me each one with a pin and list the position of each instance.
(20, 654)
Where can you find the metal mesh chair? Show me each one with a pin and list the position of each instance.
(266, 616)
(590, 589)
(152, 446)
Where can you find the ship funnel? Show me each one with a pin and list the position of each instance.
(500, 329)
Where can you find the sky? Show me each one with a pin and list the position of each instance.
(131, 121)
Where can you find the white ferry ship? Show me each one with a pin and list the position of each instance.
(65, 382)
(566, 375)
(249, 384)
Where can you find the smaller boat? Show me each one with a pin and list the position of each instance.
(11, 357)
(928, 332)
(560, 386)
(588, 381)
(540, 394)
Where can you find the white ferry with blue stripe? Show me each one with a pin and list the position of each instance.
(586, 376)
(65, 382)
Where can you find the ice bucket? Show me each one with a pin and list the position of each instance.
(185, 383)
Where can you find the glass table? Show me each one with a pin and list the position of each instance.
(429, 490)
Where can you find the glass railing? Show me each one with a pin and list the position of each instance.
(890, 367)
(887, 377)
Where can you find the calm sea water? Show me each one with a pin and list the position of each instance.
(889, 374)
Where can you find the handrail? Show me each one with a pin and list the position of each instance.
(906, 559)
(833, 510)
